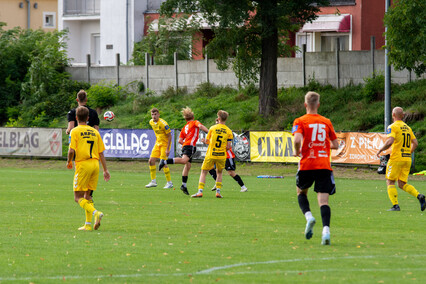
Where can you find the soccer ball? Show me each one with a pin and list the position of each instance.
(109, 116)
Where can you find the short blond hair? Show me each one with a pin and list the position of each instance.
(312, 99)
(187, 113)
(398, 112)
(223, 115)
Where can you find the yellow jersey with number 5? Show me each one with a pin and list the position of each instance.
(86, 142)
(403, 135)
(218, 138)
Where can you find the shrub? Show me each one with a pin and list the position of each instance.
(374, 88)
(103, 96)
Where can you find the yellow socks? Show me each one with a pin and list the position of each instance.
(410, 189)
(88, 214)
(152, 171)
(167, 173)
(393, 194)
(86, 205)
(218, 186)
(201, 186)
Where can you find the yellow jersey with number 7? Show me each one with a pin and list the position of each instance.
(86, 142)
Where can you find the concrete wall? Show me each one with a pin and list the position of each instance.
(353, 68)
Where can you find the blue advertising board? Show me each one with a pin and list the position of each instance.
(130, 143)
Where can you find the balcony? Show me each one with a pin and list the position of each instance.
(82, 7)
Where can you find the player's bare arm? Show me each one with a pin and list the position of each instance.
(203, 128)
(70, 156)
(169, 142)
(298, 137)
(71, 125)
(334, 144)
(414, 145)
(388, 143)
(107, 175)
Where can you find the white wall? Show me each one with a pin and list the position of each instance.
(113, 30)
(80, 39)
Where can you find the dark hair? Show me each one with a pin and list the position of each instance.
(82, 96)
(82, 113)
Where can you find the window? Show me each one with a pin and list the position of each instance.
(342, 2)
(49, 20)
(328, 41)
(301, 39)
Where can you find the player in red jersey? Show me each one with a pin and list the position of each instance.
(314, 136)
(188, 138)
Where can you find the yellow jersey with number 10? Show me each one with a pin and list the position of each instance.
(86, 142)
(403, 135)
(218, 138)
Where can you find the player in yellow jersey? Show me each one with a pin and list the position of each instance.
(403, 142)
(161, 148)
(219, 138)
(87, 146)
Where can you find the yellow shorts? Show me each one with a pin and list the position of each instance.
(209, 163)
(86, 175)
(159, 151)
(397, 170)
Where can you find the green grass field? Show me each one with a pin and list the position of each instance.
(162, 236)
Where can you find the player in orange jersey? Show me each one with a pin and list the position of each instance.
(403, 142)
(188, 138)
(314, 136)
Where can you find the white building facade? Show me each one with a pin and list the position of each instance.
(103, 28)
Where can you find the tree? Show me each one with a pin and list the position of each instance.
(252, 33)
(34, 87)
(172, 35)
(406, 35)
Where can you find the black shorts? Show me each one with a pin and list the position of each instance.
(189, 150)
(324, 180)
(230, 164)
